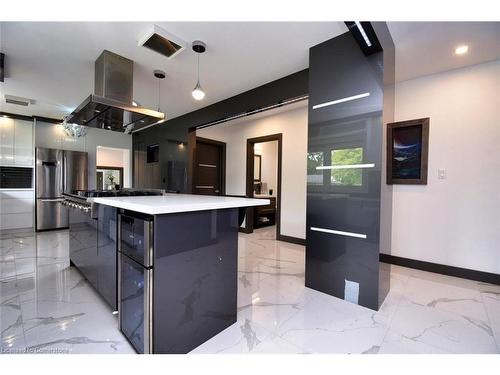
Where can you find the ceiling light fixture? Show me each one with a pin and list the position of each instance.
(199, 47)
(363, 33)
(461, 50)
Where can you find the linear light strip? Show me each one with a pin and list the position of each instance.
(339, 232)
(363, 33)
(348, 99)
(349, 166)
(245, 114)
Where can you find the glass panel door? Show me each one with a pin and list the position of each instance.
(132, 294)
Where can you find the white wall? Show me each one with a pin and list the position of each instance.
(455, 221)
(53, 136)
(116, 157)
(269, 160)
(292, 123)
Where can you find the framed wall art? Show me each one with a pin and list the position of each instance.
(407, 152)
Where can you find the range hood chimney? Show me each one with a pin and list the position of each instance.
(110, 107)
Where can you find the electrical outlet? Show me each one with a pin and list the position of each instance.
(442, 174)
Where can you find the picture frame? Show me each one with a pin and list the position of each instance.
(408, 152)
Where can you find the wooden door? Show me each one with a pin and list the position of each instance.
(209, 167)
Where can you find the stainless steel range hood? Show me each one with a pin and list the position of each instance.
(110, 107)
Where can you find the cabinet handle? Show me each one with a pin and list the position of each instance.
(207, 165)
(204, 186)
(339, 232)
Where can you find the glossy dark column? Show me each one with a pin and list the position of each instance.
(195, 278)
(351, 201)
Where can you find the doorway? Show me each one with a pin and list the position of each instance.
(209, 167)
(263, 180)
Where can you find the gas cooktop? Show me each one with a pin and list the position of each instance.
(115, 193)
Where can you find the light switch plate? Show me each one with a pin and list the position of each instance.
(442, 174)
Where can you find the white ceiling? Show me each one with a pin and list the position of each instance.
(53, 63)
(424, 48)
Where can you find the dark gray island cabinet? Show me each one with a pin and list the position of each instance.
(177, 268)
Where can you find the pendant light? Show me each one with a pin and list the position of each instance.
(199, 47)
(159, 75)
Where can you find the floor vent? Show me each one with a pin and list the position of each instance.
(162, 42)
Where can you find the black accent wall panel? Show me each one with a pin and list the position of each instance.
(344, 188)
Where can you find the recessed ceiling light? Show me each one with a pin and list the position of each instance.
(461, 50)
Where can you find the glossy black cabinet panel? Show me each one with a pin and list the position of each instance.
(195, 278)
(344, 173)
(83, 244)
(132, 314)
(93, 249)
(107, 254)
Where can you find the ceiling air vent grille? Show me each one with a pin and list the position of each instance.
(162, 42)
(17, 100)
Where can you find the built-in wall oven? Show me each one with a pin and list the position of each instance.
(135, 278)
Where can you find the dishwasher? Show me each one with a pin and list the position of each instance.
(135, 279)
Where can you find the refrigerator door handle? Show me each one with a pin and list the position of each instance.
(63, 171)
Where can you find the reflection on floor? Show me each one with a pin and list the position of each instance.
(47, 307)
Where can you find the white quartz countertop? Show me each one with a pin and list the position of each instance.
(172, 203)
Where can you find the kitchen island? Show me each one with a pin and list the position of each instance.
(177, 268)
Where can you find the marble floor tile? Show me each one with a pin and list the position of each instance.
(492, 304)
(242, 337)
(46, 306)
(451, 332)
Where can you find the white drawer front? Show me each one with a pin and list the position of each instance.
(16, 206)
(14, 221)
(16, 194)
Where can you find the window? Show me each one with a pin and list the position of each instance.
(347, 177)
(314, 176)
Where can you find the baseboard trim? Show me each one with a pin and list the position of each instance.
(295, 240)
(464, 273)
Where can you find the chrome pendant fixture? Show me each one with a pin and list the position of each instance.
(199, 47)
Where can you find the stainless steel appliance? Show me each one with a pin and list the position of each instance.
(135, 279)
(111, 106)
(57, 171)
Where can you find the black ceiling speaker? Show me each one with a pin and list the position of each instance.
(2, 59)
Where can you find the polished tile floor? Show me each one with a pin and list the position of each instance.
(46, 307)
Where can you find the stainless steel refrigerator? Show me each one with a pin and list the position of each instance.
(57, 171)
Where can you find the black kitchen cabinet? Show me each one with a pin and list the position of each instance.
(93, 249)
(107, 254)
(83, 244)
(195, 277)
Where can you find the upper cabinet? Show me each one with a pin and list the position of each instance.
(16, 142)
(6, 141)
(23, 143)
